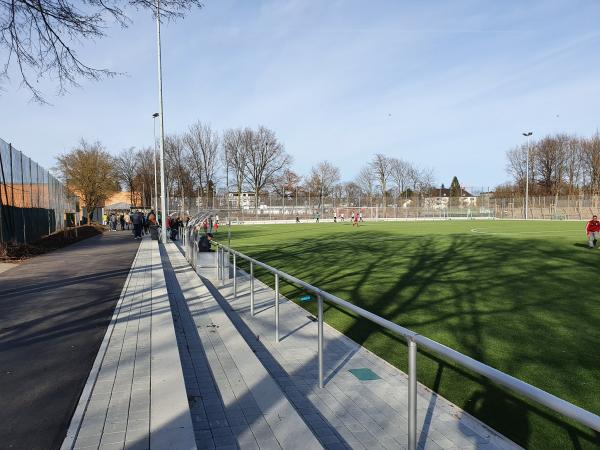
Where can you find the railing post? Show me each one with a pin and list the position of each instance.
(234, 276)
(227, 264)
(412, 394)
(276, 307)
(320, 339)
(218, 267)
(252, 288)
(222, 266)
(220, 263)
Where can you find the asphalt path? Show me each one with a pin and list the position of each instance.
(54, 311)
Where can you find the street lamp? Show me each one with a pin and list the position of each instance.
(163, 198)
(528, 136)
(155, 115)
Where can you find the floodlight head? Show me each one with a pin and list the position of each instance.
(155, 115)
(528, 134)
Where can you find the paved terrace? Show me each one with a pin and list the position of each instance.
(183, 365)
(347, 412)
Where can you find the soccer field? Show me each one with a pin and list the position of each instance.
(521, 297)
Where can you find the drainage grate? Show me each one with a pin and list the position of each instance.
(364, 374)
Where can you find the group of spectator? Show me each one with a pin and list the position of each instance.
(136, 221)
(175, 225)
(202, 234)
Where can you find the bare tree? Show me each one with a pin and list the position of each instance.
(177, 174)
(287, 183)
(573, 164)
(366, 182)
(381, 166)
(236, 145)
(549, 162)
(144, 175)
(351, 191)
(39, 36)
(126, 164)
(591, 163)
(203, 145)
(323, 177)
(400, 175)
(517, 164)
(423, 179)
(264, 159)
(89, 171)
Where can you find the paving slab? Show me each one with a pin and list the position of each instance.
(235, 401)
(54, 312)
(347, 412)
(135, 394)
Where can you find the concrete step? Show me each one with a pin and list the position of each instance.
(244, 384)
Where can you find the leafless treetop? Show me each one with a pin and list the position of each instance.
(39, 36)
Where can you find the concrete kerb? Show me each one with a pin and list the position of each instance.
(78, 415)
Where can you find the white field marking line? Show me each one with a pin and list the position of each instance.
(84, 399)
(517, 233)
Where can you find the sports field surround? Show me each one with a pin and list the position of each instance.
(523, 297)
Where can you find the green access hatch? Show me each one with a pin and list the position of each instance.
(364, 374)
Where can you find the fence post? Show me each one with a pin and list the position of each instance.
(412, 394)
(227, 264)
(234, 276)
(23, 201)
(276, 307)
(320, 338)
(218, 267)
(252, 288)
(222, 266)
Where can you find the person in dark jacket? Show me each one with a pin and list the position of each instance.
(204, 243)
(153, 226)
(138, 221)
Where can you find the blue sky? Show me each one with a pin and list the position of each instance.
(446, 85)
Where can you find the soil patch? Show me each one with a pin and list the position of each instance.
(14, 252)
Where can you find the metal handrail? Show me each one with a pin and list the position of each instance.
(513, 384)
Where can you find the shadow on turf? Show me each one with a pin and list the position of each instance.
(500, 409)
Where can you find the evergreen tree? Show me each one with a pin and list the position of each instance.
(455, 190)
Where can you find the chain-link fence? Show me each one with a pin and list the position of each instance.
(273, 207)
(573, 207)
(33, 203)
(306, 208)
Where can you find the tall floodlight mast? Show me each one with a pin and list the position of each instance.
(163, 198)
(528, 136)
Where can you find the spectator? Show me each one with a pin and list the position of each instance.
(138, 221)
(204, 243)
(113, 222)
(122, 221)
(127, 221)
(175, 228)
(145, 223)
(153, 226)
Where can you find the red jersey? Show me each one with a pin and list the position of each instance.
(356, 218)
(592, 226)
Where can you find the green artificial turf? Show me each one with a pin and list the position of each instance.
(521, 297)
